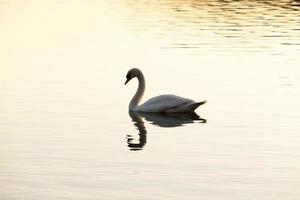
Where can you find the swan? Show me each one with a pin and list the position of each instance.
(162, 103)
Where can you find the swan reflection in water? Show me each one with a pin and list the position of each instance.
(166, 120)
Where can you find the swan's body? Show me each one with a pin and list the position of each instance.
(167, 103)
(162, 103)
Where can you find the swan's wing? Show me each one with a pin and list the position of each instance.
(163, 103)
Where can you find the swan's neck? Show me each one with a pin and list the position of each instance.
(139, 93)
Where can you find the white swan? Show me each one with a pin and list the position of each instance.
(162, 103)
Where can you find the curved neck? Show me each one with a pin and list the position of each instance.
(139, 93)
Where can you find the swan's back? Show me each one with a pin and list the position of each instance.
(168, 103)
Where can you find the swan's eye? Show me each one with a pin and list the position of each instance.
(128, 76)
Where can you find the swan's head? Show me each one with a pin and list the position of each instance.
(134, 72)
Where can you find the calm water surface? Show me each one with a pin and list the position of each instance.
(65, 130)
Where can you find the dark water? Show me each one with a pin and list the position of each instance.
(65, 130)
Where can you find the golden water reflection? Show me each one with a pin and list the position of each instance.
(218, 26)
(64, 108)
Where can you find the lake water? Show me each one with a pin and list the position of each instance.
(65, 130)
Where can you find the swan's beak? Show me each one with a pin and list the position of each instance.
(127, 80)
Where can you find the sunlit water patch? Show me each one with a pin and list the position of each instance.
(65, 130)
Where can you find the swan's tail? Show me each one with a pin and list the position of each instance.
(195, 105)
(190, 107)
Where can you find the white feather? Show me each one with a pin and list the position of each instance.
(164, 103)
